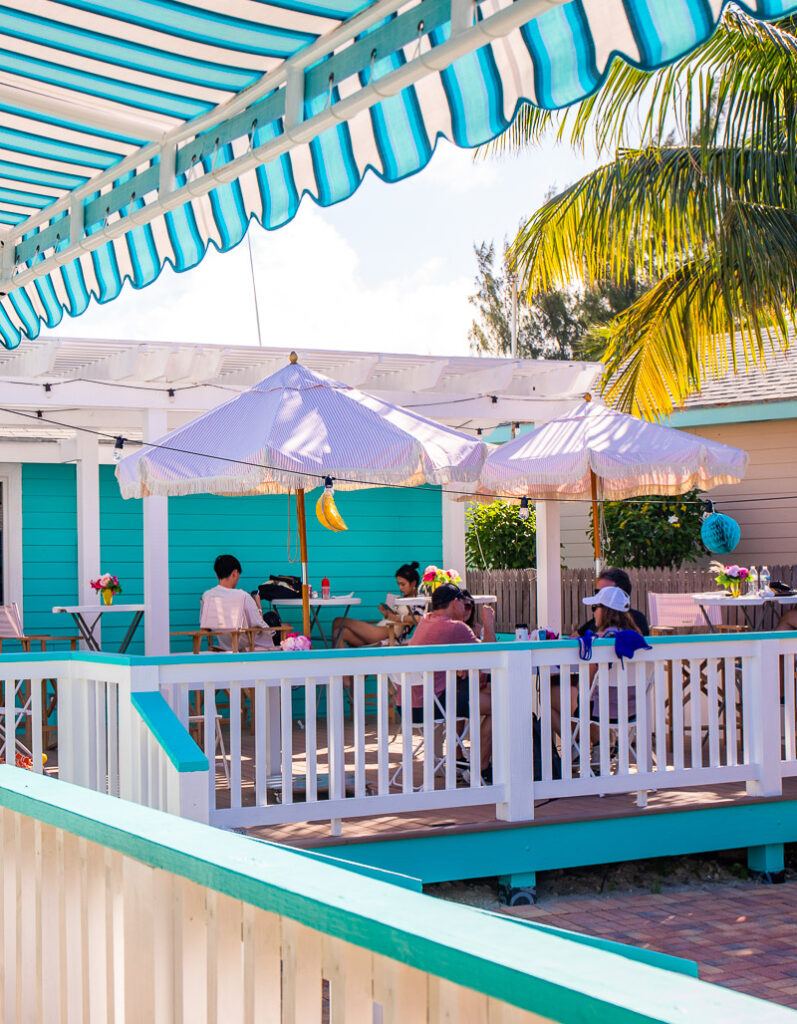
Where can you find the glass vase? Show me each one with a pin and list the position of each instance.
(107, 595)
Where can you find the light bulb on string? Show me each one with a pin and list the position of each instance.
(523, 511)
(117, 448)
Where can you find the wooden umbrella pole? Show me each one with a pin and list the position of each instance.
(303, 555)
(596, 523)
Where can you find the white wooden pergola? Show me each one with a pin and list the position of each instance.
(67, 400)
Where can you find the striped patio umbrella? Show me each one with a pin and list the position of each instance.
(597, 451)
(289, 433)
(138, 133)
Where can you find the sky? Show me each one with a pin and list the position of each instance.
(388, 270)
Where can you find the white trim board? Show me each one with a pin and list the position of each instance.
(11, 482)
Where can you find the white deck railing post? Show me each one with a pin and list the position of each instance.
(512, 734)
(761, 717)
(132, 746)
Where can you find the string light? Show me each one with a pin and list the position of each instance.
(118, 448)
(523, 511)
(120, 441)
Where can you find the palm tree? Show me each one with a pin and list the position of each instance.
(703, 207)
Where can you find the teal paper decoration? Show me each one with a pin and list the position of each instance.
(720, 533)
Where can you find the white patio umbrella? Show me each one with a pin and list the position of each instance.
(595, 448)
(290, 432)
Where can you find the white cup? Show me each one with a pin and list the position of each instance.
(521, 632)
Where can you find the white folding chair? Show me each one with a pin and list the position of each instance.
(461, 733)
(11, 629)
(680, 613)
(199, 719)
(623, 680)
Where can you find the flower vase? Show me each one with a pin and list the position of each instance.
(107, 595)
(735, 587)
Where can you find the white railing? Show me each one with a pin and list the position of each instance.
(330, 768)
(787, 669)
(107, 915)
(690, 712)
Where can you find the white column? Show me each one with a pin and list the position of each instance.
(156, 553)
(549, 565)
(88, 519)
(454, 535)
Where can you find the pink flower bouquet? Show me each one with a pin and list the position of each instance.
(106, 582)
(296, 642)
(433, 577)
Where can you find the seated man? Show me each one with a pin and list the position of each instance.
(225, 608)
(445, 625)
(610, 577)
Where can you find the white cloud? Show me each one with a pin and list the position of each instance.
(460, 171)
(311, 294)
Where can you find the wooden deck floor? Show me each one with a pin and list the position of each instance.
(482, 819)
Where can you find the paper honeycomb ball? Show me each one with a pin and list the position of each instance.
(720, 533)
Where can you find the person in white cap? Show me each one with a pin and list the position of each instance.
(612, 614)
(612, 599)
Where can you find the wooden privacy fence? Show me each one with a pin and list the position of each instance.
(516, 590)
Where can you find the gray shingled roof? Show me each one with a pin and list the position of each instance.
(751, 384)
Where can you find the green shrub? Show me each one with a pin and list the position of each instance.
(641, 535)
(497, 538)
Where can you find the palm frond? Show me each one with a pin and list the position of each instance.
(675, 336)
(739, 83)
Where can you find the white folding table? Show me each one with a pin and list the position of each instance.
(316, 604)
(87, 616)
(723, 600)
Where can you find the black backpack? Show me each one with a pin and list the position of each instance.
(277, 588)
(556, 761)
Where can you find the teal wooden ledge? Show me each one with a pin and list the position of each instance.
(169, 731)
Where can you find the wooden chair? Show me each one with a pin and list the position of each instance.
(11, 630)
(222, 624)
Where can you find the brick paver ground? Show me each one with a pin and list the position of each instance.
(743, 937)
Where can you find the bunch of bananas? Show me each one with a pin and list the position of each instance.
(327, 511)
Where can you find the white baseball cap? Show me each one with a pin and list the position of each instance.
(610, 597)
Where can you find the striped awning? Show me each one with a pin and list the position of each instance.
(136, 133)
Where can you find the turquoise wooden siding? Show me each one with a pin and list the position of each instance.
(49, 546)
(386, 528)
(121, 553)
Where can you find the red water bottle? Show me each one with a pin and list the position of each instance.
(324, 588)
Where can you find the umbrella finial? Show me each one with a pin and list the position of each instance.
(588, 397)
(293, 358)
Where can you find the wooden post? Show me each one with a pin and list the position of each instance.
(303, 555)
(596, 523)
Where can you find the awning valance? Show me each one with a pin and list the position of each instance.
(136, 133)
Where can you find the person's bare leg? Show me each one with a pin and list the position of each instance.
(355, 633)
(788, 620)
(485, 729)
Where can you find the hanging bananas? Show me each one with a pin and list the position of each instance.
(326, 510)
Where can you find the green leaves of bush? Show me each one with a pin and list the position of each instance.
(497, 538)
(641, 534)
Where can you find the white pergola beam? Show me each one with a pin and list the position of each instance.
(29, 360)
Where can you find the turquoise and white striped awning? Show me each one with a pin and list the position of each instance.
(135, 133)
